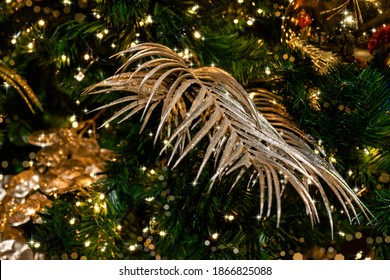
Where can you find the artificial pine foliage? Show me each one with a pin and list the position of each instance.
(144, 209)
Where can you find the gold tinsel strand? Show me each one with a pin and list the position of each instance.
(16, 81)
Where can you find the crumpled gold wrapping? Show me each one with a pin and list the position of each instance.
(67, 162)
(11, 249)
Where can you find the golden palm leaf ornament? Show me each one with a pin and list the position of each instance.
(208, 104)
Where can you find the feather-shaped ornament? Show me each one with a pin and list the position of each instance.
(207, 104)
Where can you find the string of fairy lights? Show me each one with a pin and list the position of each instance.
(98, 202)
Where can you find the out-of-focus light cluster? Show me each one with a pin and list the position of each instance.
(194, 9)
(96, 15)
(185, 54)
(229, 218)
(148, 20)
(197, 35)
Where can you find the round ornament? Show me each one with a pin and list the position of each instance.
(380, 40)
(328, 31)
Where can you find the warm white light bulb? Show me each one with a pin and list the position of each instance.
(197, 35)
(349, 19)
(149, 19)
(359, 255)
(75, 124)
(96, 208)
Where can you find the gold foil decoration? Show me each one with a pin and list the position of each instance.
(45, 138)
(11, 249)
(52, 155)
(68, 162)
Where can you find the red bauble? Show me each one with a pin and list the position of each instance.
(304, 20)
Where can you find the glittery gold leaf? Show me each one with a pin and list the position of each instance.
(16, 81)
(207, 104)
(322, 60)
